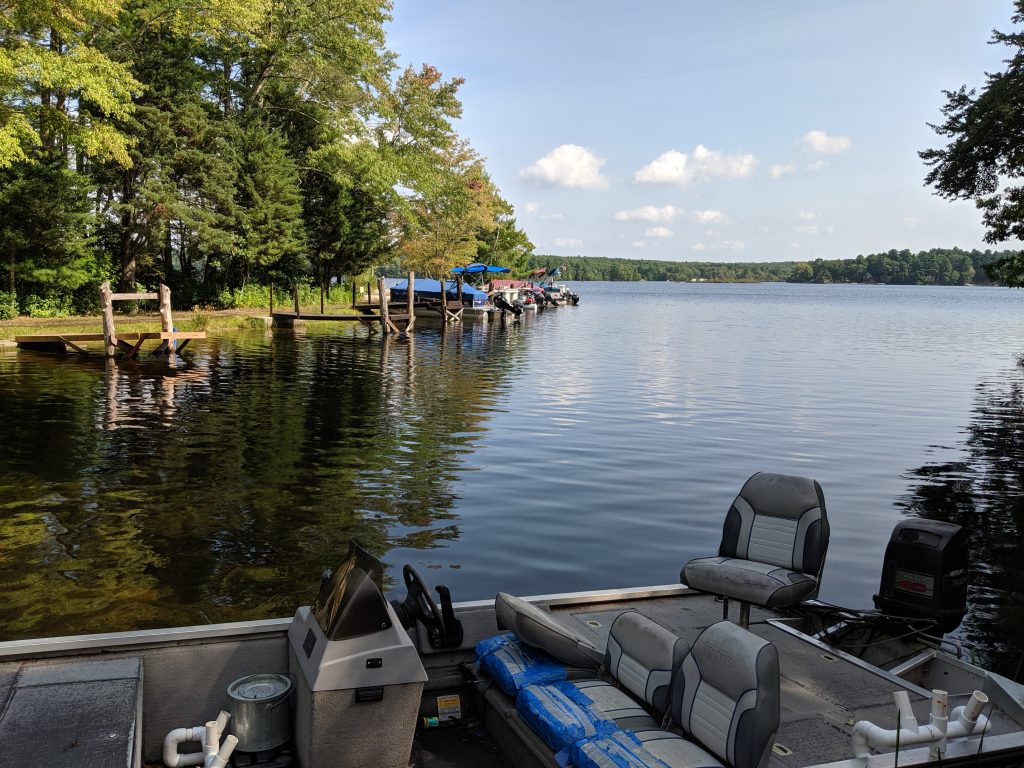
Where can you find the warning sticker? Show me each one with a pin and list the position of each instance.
(915, 583)
(449, 707)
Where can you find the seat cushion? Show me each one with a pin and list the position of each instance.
(513, 665)
(675, 751)
(561, 714)
(540, 629)
(641, 655)
(760, 583)
(615, 705)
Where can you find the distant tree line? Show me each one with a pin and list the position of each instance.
(213, 144)
(938, 266)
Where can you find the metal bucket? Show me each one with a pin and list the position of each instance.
(259, 711)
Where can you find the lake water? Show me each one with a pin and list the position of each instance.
(587, 447)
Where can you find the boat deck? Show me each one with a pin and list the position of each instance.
(823, 691)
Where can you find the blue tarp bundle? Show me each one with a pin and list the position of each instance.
(618, 750)
(561, 715)
(514, 665)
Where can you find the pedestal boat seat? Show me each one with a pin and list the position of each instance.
(773, 546)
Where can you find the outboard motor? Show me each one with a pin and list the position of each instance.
(503, 304)
(359, 678)
(925, 573)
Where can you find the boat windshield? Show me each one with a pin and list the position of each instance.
(351, 603)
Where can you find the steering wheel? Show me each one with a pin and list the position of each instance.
(419, 605)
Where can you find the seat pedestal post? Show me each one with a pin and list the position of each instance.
(745, 614)
(725, 609)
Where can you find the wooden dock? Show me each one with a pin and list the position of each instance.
(127, 344)
(381, 312)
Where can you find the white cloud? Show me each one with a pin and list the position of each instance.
(706, 217)
(674, 167)
(807, 229)
(822, 143)
(779, 170)
(551, 216)
(807, 215)
(722, 245)
(911, 221)
(531, 207)
(662, 232)
(649, 213)
(568, 166)
(568, 242)
(639, 243)
(816, 166)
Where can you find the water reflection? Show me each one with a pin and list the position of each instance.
(984, 492)
(218, 486)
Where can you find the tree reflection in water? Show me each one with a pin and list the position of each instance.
(137, 495)
(984, 492)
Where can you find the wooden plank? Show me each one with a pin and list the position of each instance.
(133, 296)
(107, 305)
(68, 337)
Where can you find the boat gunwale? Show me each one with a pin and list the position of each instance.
(33, 647)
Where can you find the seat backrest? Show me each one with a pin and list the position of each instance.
(540, 629)
(642, 655)
(725, 694)
(779, 520)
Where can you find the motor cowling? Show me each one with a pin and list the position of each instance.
(924, 575)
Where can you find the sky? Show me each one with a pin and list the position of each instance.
(711, 131)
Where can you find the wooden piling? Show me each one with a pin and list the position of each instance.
(385, 321)
(271, 299)
(411, 301)
(321, 297)
(107, 305)
(297, 312)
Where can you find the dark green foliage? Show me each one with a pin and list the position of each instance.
(984, 160)
(939, 266)
(44, 229)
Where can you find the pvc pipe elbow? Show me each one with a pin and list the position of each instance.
(172, 758)
(220, 760)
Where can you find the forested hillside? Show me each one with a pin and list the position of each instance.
(939, 266)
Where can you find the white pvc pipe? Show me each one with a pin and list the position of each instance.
(965, 721)
(220, 760)
(208, 735)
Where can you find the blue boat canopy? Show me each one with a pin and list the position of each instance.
(476, 268)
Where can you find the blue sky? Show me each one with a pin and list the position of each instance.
(711, 131)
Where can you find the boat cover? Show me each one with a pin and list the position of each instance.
(477, 268)
(513, 665)
(431, 289)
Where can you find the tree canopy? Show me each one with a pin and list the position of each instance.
(984, 159)
(216, 143)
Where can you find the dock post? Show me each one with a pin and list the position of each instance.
(107, 305)
(321, 297)
(271, 299)
(385, 321)
(354, 294)
(411, 303)
(166, 321)
(297, 313)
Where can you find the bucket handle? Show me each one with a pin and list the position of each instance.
(291, 689)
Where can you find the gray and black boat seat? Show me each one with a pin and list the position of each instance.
(663, 704)
(773, 544)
